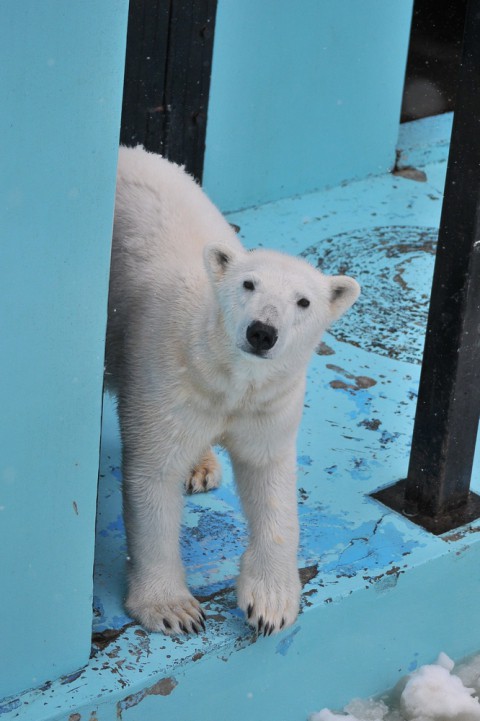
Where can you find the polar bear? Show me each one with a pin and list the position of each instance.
(207, 343)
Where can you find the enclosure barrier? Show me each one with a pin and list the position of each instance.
(436, 492)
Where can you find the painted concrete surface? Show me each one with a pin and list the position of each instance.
(302, 96)
(380, 594)
(61, 73)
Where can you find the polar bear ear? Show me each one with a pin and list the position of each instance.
(217, 258)
(344, 291)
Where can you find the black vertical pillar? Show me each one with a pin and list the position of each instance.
(448, 408)
(144, 109)
(167, 78)
(189, 66)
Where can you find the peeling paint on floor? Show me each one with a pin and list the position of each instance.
(164, 687)
(389, 263)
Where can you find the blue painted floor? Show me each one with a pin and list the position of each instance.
(354, 439)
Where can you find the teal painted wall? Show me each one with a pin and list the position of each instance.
(304, 95)
(61, 74)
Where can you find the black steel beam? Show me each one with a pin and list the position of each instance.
(448, 407)
(144, 105)
(189, 67)
(167, 78)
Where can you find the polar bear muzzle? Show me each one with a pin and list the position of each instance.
(261, 337)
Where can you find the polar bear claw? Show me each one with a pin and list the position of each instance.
(270, 602)
(177, 616)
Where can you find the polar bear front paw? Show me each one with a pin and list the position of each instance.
(270, 603)
(206, 475)
(173, 616)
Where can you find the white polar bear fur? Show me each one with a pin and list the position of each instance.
(185, 378)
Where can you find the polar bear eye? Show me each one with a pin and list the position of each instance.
(248, 285)
(303, 302)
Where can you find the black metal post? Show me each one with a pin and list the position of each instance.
(189, 68)
(436, 492)
(144, 105)
(167, 78)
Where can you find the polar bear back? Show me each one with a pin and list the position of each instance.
(162, 216)
(162, 222)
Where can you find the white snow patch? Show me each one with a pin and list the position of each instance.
(444, 661)
(326, 715)
(369, 710)
(434, 692)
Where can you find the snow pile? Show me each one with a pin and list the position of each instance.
(357, 710)
(434, 693)
(326, 715)
(431, 693)
(469, 673)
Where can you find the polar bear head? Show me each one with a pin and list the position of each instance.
(275, 306)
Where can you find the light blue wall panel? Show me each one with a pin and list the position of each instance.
(61, 76)
(304, 95)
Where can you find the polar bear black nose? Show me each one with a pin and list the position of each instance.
(261, 336)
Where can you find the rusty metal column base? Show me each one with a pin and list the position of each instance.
(394, 497)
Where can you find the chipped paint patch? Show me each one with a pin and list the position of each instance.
(304, 461)
(8, 706)
(283, 646)
(361, 469)
(384, 581)
(410, 173)
(413, 665)
(164, 687)
(308, 573)
(102, 639)
(351, 549)
(71, 677)
(325, 349)
(372, 424)
(115, 528)
(393, 264)
(353, 383)
(461, 533)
